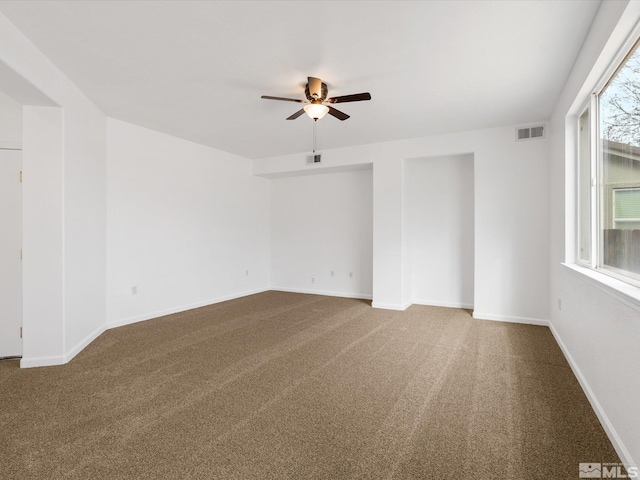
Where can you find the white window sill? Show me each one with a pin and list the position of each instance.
(627, 294)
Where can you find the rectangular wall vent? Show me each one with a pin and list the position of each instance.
(315, 158)
(524, 133)
(529, 133)
(537, 132)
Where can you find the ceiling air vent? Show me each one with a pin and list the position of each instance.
(529, 133)
(314, 158)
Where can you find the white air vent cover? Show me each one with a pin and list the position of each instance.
(528, 133)
(314, 158)
(523, 133)
(537, 132)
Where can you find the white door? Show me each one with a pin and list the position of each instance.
(10, 261)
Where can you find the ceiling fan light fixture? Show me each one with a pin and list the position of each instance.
(316, 93)
(316, 110)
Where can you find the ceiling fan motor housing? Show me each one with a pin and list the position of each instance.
(313, 96)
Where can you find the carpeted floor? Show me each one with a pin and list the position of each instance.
(281, 385)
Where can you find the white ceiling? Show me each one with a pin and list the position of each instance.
(196, 70)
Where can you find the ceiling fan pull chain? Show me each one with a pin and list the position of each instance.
(314, 136)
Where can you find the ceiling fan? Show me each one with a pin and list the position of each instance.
(316, 93)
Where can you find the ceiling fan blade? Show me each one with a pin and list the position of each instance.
(356, 97)
(315, 87)
(296, 115)
(268, 97)
(337, 113)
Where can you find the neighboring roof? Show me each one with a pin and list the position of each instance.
(621, 150)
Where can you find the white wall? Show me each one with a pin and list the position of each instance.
(10, 122)
(43, 236)
(511, 210)
(10, 248)
(440, 227)
(391, 289)
(144, 178)
(321, 224)
(85, 224)
(11, 240)
(599, 333)
(75, 286)
(185, 223)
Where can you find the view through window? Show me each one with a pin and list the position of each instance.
(617, 175)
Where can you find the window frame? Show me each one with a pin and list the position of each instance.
(587, 106)
(596, 163)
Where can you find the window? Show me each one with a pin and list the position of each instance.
(626, 208)
(608, 171)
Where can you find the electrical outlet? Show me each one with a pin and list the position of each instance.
(333, 273)
(559, 304)
(313, 280)
(350, 274)
(134, 290)
(246, 273)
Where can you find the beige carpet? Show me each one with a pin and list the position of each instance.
(281, 385)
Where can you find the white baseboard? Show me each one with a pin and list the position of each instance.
(381, 305)
(161, 313)
(28, 362)
(390, 306)
(510, 319)
(10, 145)
(619, 447)
(83, 344)
(436, 303)
(322, 292)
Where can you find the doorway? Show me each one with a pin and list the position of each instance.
(10, 253)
